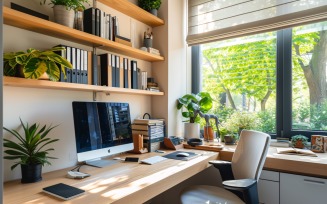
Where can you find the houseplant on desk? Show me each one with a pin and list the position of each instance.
(34, 63)
(29, 150)
(190, 105)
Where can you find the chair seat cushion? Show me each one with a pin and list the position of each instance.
(208, 195)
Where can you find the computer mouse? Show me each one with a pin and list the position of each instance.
(182, 154)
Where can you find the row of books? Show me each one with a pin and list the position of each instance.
(102, 24)
(153, 132)
(80, 60)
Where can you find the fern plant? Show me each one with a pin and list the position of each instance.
(29, 149)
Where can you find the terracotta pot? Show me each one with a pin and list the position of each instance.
(299, 144)
(208, 134)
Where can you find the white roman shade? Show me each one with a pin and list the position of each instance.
(212, 20)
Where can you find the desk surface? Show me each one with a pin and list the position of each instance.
(124, 182)
(303, 165)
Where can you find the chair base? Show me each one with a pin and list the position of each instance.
(208, 194)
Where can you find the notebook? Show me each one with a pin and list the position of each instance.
(63, 191)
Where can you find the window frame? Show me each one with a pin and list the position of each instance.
(283, 85)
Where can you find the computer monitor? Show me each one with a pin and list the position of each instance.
(101, 129)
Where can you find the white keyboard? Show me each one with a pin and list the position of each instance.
(153, 160)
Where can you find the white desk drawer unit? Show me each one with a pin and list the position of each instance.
(268, 187)
(296, 189)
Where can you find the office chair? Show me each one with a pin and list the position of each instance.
(239, 176)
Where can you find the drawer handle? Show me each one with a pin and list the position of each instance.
(314, 182)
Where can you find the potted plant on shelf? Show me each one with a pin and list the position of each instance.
(299, 141)
(190, 105)
(64, 10)
(33, 63)
(151, 6)
(29, 150)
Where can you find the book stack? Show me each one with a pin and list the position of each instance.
(152, 86)
(153, 51)
(153, 131)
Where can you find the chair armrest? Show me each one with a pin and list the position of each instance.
(240, 184)
(245, 187)
(225, 169)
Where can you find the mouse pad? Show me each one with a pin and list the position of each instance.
(174, 156)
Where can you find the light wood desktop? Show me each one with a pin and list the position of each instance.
(124, 182)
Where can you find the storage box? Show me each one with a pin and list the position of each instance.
(319, 143)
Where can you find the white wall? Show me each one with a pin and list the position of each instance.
(55, 106)
(170, 39)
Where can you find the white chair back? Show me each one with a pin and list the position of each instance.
(250, 154)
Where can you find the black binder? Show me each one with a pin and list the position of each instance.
(74, 71)
(125, 65)
(104, 64)
(85, 67)
(98, 22)
(113, 70)
(134, 74)
(117, 72)
(89, 20)
(95, 69)
(69, 59)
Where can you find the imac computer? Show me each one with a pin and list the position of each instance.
(101, 129)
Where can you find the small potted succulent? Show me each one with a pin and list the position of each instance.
(299, 141)
(33, 64)
(151, 6)
(29, 150)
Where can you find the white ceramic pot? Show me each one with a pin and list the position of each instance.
(191, 130)
(63, 16)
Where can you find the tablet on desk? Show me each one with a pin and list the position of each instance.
(63, 191)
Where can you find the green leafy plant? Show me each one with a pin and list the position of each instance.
(70, 4)
(297, 138)
(190, 104)
(33, 63)
(29, 149)
(148, 5)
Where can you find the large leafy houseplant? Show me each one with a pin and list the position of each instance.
(34, 63)
(29, 150)
(191, 104)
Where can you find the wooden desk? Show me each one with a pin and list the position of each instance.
(302, 165)
(124, 182)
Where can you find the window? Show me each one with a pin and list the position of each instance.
(273, 82)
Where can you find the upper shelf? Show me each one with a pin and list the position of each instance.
(45, 84)
(134, 11)
(28, 22)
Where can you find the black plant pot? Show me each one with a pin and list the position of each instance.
(31, 173)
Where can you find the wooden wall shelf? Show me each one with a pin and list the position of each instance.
(28, 22)
(44, 84)
(134, 11)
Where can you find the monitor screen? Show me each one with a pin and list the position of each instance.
(101, 129)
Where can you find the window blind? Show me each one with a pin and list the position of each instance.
(212, 20)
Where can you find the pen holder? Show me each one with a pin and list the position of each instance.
(208, 134)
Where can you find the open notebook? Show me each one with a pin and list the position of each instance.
(300, 152)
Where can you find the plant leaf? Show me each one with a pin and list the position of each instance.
(34, 68)
(53, 71)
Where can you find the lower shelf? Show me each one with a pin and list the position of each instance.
(44, 84)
